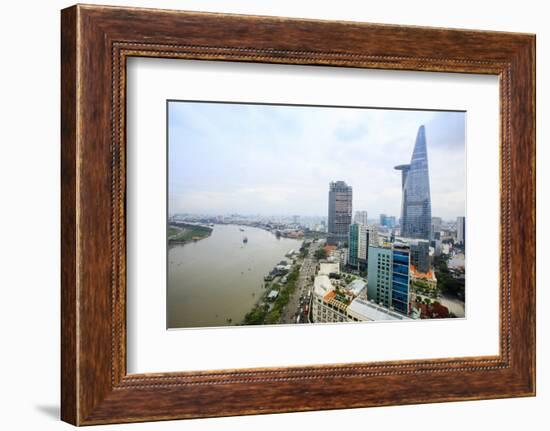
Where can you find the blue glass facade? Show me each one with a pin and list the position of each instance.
(416, 206)
(400, 280)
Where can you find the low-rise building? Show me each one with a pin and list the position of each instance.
(333, 303)
(272, 295)
(326, 307)
(426, 279)
(358, 287)
(336, 298)
(327, 268)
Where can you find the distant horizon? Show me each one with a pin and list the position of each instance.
(277, 161)
(198, 213)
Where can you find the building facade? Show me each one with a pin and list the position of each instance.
(379, 275)
(361, 217)
(461, 230)
(332, 302)
(436, 226)
(387, 221)
(400, 279)
(359, 238)
(424, 279)
(353, 245)
(339, 212)
(419, 252)
(416, 207)
(389, 277)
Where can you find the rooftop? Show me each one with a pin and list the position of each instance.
(322, 285)
(366, 310)
(457, 261)
(326, 268)
(356, 286)
(273, 294)
(423, 275)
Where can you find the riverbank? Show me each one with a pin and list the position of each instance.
(217, 281)
(182, 233)
(267, 311)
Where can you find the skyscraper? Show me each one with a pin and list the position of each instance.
(436, 225)
(416, 206)
(360, 217)
(461, 230)
(339, 212)
(360, 237)
(387, 221)
(420, 254)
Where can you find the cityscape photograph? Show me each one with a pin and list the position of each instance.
(301, 214)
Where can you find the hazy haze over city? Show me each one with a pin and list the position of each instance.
(279, 160)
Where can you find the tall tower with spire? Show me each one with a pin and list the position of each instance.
(416, 205)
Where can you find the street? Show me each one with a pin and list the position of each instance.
(297, 309)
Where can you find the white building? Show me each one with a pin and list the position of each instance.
(333, 304)
(358, 287)
(361, 310)
(325, 307)
(327, 268)
(343, 257)
(360, 217)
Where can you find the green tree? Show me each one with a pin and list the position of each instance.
(321, 254)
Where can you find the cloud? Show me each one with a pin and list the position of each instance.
(279, 160)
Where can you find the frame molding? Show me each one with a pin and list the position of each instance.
(95, 42)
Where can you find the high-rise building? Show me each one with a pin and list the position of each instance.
(420, 253)
(400, 279)
(436, 226)
(360, 217)
(359, 238)
(388, 276)
(387, 221)
(461, 230)
(379, 275)
(353, 245)
(416, 207)
(339, 212)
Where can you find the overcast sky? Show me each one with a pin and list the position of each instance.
(279, 160)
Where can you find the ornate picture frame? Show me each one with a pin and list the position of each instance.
(96, 41)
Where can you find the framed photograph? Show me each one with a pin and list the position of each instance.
(265, 214)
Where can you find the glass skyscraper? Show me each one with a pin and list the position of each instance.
(416, 206)
(339, 212)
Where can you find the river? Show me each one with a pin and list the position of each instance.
(220, 278)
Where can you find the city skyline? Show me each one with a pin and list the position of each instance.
(267, 160)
